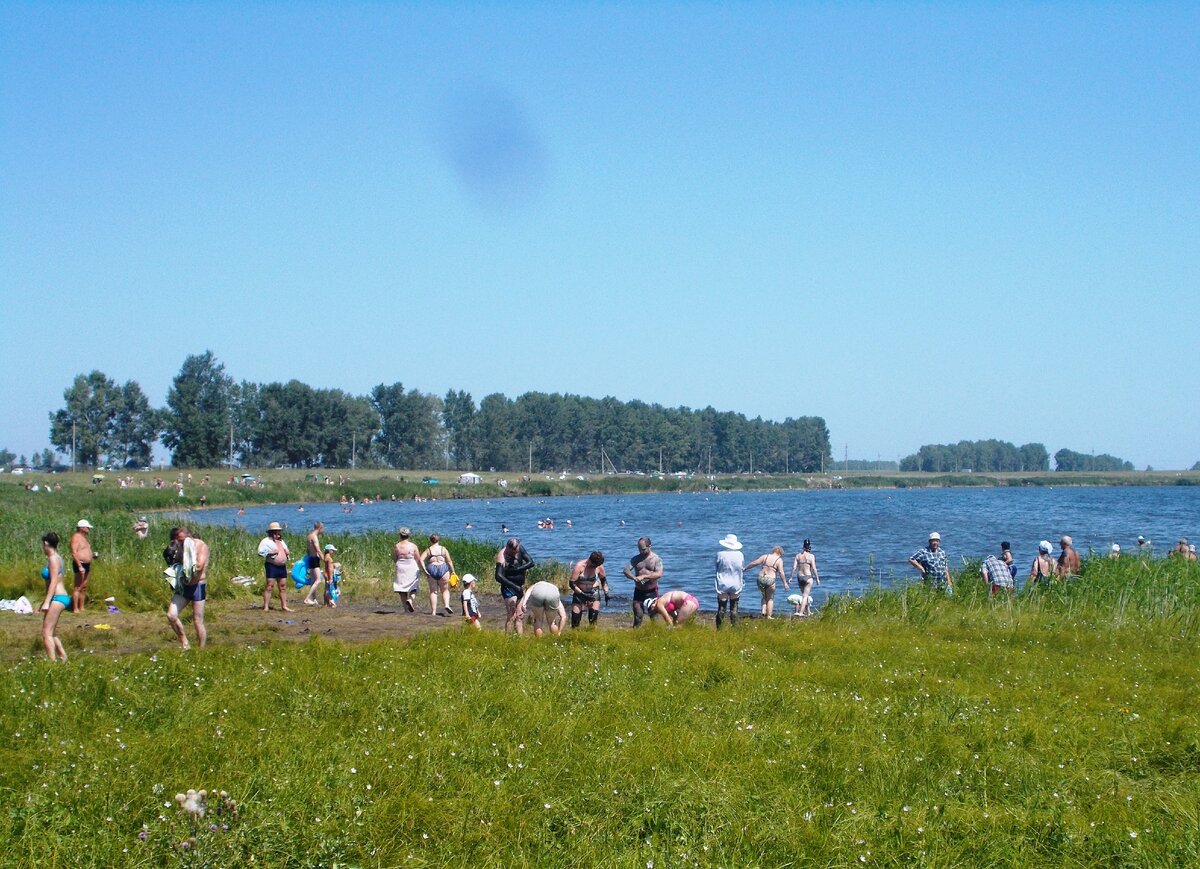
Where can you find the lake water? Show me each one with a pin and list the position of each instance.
(860, 537)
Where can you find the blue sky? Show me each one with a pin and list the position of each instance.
(923, 222)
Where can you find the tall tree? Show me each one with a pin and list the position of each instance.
(7, 458)
(92, 401)
(198, 413)
(458, 418)
(134, 427)
(410, 431)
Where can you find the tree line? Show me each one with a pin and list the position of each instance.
(209, 420)
(994, 455)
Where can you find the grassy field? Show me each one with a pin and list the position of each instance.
(1061, 729)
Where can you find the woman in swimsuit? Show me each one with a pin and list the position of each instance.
(407, 557)
(438, 567)
(770, 568)
(587, 582)
(1042, 569)
(675, 607)
(56, 600)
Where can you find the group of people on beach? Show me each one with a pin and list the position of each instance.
(541, 603)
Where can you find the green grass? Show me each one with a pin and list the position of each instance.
(904, 729)
(1061, 728)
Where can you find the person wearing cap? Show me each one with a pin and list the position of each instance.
(1144, 547)
(1114, 551)
(996, 574)
(141, 528)
(333, 576)
(81, 563)
(313, 562)
(1042, 568)
(804, 571)
(730, 581)
(470, 603)
(407, 558)
(512, 563)
(543, 603)
(274, 553)
(934, 564)
(1181, 549)
(1068, 558)
(645, 570)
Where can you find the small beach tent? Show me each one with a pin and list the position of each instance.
(469, 479)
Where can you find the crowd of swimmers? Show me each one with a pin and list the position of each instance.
(541, 604)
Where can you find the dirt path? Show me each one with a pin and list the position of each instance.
(234, 623)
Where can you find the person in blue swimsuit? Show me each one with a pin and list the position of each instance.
(56, 600)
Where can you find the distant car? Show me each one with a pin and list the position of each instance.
(18, 470)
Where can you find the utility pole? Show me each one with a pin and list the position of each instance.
(660, 460)
(531, 458)
(845, 457)
(72, 445)
(353, 447)
(231, 446)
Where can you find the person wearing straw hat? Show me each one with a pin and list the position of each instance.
(730, 580)
(82, 557)
(934, 564)
(274, 553)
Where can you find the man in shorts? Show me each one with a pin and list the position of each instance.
(274, 553)
(544, 604)
(312, 562)
(81, 563)
(645, 570)
(191, 588)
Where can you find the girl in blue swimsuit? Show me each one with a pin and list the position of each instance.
(56, 600)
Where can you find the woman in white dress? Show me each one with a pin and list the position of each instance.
(408, 569)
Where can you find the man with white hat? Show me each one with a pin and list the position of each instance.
(730, 579)
(274, 553)
(934, 564)
(81, 563)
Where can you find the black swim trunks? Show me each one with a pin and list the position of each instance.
(275, 571)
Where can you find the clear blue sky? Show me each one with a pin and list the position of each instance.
(924, 223)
